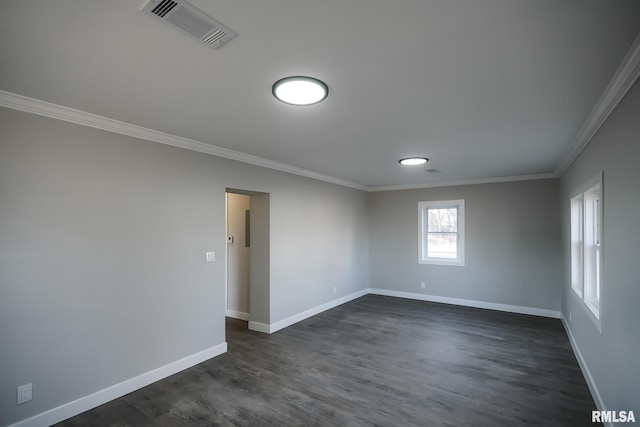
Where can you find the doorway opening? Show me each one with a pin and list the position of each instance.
(247, 257)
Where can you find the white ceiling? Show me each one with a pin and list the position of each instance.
(484, 88)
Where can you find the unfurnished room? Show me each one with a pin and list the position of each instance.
(329, 213)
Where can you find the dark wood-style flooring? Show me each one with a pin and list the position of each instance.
(374, 361)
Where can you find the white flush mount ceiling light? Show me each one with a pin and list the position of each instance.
(300, 90)
(413, 161)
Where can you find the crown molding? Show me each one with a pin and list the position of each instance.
(47, 109)
(59, 112)
(621, 82)
(624, 78)
(465, 182)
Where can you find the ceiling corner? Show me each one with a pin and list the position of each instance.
(622, 81)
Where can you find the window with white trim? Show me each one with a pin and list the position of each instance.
(586, 245)
(441, 228)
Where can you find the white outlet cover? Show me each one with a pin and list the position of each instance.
(25, 393)
(210, 257)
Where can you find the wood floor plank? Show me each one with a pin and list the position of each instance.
(375, 361)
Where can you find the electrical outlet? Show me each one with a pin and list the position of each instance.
(25, 393)
(335, 289)
(210, 257)
(422, 285)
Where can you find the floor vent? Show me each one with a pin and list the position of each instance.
(190, 20)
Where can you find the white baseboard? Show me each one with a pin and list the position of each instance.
(316, 310)
(585, 370)
(240, 315)
(273, 327)
(103, 396)
(260, 327)
(469, 303)
(281, 324)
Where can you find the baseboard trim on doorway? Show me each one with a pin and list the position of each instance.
(240, 315)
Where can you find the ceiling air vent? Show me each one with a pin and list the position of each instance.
(190, 20)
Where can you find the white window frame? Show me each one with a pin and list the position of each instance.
(423, 208)
(587, 247)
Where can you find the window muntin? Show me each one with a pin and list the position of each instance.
(441, 239)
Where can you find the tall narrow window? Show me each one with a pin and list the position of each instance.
(586, 245)
(441, 226)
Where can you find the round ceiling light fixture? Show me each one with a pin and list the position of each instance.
(413, 161)
(300, 90)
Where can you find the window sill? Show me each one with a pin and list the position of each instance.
(439, 261)
(596, 321)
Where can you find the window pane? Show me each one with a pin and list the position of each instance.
(442, 220)
(442, 245)
(577, 246)
(592, 250)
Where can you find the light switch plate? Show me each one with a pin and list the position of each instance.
(210, 257)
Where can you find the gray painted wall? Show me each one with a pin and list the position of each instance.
(238, 254)
(260, 263)
(324, 243)
(102, 243)
(512, 244)
(613, 357)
